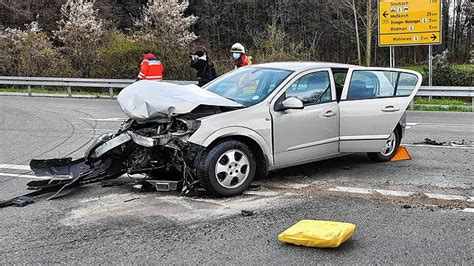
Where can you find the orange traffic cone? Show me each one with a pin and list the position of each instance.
(401, 155)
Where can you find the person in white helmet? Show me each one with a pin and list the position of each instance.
(239, 56)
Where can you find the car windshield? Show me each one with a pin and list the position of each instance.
(249, 85)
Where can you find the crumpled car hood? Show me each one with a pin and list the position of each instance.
(144, 100)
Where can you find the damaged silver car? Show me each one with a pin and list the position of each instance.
(244, 124)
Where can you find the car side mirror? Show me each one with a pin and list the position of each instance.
(291, 103)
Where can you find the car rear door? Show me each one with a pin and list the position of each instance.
(373, 102)
(312, 132)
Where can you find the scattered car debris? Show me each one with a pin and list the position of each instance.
(462, 143)
(433, 142)
(319, 234)
(132, 199)
(247, 213)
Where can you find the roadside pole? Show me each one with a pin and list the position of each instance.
(430, 68)
(392, 56)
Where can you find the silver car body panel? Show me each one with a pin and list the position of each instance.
(111, 144)
(308, 134)
(145, 100)
(366, 124)
(294, 137)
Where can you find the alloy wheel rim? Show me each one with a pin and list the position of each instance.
(232, 169)
(389, 145)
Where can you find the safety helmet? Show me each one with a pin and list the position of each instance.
(237, 48)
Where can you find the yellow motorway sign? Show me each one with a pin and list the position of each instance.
(409, 22)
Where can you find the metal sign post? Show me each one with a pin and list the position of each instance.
(430, 66)
(408, 23)
(392, 56)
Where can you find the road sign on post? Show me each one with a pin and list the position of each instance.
(409, 22)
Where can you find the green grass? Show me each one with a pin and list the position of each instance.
(465, 67)
(442, 101)
(51, 91)
(455, 108)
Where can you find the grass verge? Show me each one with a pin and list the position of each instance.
(441, 108)
(441, 101)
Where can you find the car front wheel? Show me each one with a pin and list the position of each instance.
(389, 150)
(227, 169)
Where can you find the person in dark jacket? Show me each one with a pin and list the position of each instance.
(201, 63)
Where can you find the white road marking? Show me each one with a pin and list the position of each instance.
(394, 193)
(26, 176)
(440, 124)
(352, 190)
(366, 191)
(437, 146)
(15, 167)
(468, 210)
(113, 119)
(446, 197)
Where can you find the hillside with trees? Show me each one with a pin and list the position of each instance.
(105, 38)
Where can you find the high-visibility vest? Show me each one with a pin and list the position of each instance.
(151, 68)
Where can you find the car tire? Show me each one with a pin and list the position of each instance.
(227, 169)
(389, 150)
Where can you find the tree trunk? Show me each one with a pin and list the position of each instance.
(356, 24)
(368, 56)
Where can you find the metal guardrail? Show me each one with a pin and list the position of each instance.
(111, 84)
(443, 91)
(70, 83)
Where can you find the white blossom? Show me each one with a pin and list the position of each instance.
(165, 20)
(79, 22)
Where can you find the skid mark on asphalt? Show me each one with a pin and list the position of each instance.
(177, 208)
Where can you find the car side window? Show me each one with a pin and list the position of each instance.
(311, 88)
(372, 84)
(406, 84)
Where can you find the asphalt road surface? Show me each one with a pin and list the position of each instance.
(417, 211)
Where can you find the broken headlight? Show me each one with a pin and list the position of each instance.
(183, 127)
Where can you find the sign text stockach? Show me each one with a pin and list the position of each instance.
(409, 22)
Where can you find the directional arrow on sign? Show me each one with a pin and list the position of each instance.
(433, 37)
(385, 14)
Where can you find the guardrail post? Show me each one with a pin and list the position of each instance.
(111, 92)
(69, 93)
(29, 90)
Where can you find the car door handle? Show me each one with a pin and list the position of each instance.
(390, 108)
(329, 113)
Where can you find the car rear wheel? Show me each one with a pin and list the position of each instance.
(227, 169)
(389, 150)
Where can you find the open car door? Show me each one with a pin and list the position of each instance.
(373, 102)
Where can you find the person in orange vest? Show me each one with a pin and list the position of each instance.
(239, 56)
(151, 67)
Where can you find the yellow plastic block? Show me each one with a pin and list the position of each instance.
(402, 154)
(319, 234)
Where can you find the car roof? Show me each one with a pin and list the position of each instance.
(301, 66)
